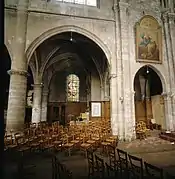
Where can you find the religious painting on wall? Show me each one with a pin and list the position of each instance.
(96, 109)
(148, 41)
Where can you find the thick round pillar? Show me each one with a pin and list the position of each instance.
(17, 100)
(44, 106)
(18, 80)
(36, 110)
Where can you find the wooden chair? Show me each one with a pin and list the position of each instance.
(48, 145)
(153, 172)
(104, 143)
(91, 163)
(111, 173)
(66, 144)
(122, 164)
(64, 173)
(141, 130)
(9, 142)
(168, 176)
(136, 167)
(54, 167)
(91, 142)
(22, 145)
(75, 141)
(100, 167)
(85, 146)
(112, 157)
(57, 142)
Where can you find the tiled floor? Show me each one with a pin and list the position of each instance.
(153, 150)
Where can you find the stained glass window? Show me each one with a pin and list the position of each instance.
(73, 87)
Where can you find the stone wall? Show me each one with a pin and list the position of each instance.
(111, 26)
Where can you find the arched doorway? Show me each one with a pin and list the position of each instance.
(7, 67)
(149, 103)
(64, 61)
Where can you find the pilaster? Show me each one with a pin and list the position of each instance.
(118, 110)
(114, 112)
(129, 122)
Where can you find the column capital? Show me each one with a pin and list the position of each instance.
(37, 85)
(17, 72)
(123, 5)
(116, 7)
(171, 17)
(164, 17)
(167, 95)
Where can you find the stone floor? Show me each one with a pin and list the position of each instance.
(153, 150)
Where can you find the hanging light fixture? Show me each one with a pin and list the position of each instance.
(147, 70)
(71, 39)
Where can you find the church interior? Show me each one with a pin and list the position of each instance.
(89, 89)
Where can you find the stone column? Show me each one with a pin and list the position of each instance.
(44, 106)
(36, 110)
(118, 109)
(129, 122)
(170, 124)
(18, 72)
(171, 69)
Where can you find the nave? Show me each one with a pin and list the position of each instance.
(41, 156)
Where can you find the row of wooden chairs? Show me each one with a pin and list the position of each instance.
(48, 137)
(129, 166)
(98, 168)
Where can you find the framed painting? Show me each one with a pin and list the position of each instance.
(148, 41)
(95, 109)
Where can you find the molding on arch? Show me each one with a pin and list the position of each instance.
(157, 71)
(46, 35)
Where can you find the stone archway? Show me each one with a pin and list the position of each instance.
(46, 35)
(149, 102)
(61, 54)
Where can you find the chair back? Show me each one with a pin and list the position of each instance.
(112, 156)
(111, 173)
(153, 172)
(100, 167)
(123, 159)
(136, 166)
(91, 163)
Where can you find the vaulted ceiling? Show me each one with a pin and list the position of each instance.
(69, 52)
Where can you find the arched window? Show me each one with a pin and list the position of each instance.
(73, 84)
(85, 2)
